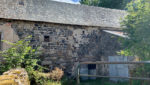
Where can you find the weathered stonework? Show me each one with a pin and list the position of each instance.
(67, 43)
(63, 13)
(66, 33)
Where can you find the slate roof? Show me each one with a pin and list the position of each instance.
(58, 12)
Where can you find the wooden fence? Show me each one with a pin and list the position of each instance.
(104, 62)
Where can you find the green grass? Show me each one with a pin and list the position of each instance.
(107, 82)
(52, 83)
(94, 82)
(102, 82)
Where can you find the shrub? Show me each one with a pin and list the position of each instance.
(21, 55)
(56, 74)
(43, 78)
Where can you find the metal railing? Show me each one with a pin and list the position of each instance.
(105, 62)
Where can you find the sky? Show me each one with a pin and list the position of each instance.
(69, 1)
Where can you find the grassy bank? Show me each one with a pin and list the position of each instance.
(95, 82)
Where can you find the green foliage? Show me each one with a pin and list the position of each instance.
(137, 27)
(37, 78)
(90, 2)
(98, 81)
(115, 4)
(22, 55)
(102, 81)
(19, 55)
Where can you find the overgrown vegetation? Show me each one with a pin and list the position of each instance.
(137, 27)
(106, 81)
(115, 4)
(99, 81)
(22, 55)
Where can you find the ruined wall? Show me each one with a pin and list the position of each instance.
(66, 44)
(7, 33)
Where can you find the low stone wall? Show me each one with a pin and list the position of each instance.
(15, 77)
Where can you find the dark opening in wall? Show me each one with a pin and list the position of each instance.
(21, 2)
(88, 69)
(83, 32)
(46, 39)
(92, 70)
(91, 66)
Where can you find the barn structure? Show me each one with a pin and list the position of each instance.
(66, 33)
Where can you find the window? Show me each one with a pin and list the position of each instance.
(46, 39)
(91, 66)
(21, 2)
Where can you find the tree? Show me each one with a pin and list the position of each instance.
(137, 27)
(115, 4)
(19, 55)
(22, 55)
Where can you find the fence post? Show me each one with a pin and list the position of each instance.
(130, 81)
(78, 75)
(143, 82)
(131, 73)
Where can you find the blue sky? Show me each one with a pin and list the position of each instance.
(75, 0)
(69, 1)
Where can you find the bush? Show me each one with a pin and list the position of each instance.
(21, 55)
(43, 78)
(56, 74)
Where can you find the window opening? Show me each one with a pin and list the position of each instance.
(46, 39)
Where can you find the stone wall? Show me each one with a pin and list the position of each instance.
(7, 33)
(109, 47)
(62, 45)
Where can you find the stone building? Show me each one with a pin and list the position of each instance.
(66, 33)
